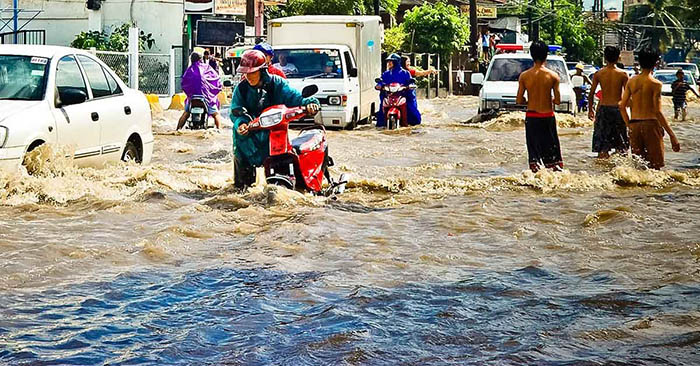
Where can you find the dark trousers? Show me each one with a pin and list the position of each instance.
(243, 173)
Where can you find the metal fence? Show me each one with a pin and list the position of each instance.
(154, 73)
(29, 36)
(117, 61)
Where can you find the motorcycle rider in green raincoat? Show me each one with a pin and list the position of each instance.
(256, 92)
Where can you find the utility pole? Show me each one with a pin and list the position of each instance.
(529, 21)
(376, 7)
(15, 16)
(474, 36)
(552, 24)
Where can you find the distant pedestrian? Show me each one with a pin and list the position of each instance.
(609, 130)
(460, 79)
(680, 89)
(647, 122)
(540, 125)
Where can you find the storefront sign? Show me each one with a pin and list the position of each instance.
(482, 12)
(230, 7)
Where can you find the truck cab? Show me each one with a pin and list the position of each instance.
(499, 87)
(333, 69)
(339, 54)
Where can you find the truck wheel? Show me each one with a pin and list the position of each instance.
(353, 121)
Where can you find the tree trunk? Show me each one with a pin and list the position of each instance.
(474, 28)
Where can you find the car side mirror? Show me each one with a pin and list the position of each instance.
(228, 83)
(477, 79)
(309, 90)
(352, 73)
(71, 96)
(239, 112)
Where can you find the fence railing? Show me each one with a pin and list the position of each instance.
(151, 73)
(29, 36)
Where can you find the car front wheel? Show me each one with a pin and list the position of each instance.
(131, 153)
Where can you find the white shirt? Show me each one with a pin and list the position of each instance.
(289, 68)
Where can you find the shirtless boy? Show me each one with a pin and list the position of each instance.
(609, 130)
(647, 123)
(540, 125)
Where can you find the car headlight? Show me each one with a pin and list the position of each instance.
(335, 100)
(3, 136)
(270, 119)
(493, 104)
(563, 107)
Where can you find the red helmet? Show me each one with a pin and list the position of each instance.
(251, 61)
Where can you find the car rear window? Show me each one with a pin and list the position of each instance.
(509, 69)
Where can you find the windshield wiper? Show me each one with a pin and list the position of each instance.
(317, 75)
(15, 98)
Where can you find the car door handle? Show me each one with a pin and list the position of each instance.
(95, 116)
(127, 110)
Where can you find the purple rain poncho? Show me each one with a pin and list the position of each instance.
(201, 79)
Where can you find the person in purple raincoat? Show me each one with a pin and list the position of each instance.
(200, 79)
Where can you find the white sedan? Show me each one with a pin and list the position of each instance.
(667, 77)
(68, 97)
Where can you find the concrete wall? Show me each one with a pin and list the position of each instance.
(64, 19)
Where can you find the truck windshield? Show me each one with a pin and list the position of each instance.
(22, 77)
(509, 69)
(309, 63)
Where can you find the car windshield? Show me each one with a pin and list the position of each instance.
(23, 77)
(309, 63)
(684, 67)
(669, 78)
(509, 69)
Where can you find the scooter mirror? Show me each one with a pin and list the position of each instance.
(378, 80)
(239, 112)
(309, 90)
(412, 81)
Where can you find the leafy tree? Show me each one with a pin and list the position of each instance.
(117, 41)
(394, 39)
(330, 7)
(436, 28)
(663, 16)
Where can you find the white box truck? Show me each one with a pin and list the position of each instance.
(339, 54)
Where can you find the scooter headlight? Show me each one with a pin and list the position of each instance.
(394, 88)
(269, 120)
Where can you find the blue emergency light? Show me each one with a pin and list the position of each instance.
(554, 48)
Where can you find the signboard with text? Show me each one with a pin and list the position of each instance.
(482, 12)
(230, 7)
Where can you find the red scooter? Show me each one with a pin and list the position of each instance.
(301, 163)
(394, 106)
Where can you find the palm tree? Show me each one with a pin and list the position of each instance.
(665, 27)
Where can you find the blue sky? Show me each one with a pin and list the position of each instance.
(608, 4)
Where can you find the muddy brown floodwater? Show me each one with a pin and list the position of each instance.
(443, 250)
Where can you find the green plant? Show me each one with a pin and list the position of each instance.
(436, 28)
(394, 39)
(331, 7)
(117, 41)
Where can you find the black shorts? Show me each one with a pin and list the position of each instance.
(542, 143)
(679, 104)
(609, 130)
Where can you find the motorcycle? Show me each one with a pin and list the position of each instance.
(199, 113)
(394, 106)
(300, 163)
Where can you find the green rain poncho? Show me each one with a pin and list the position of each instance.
(254, 147)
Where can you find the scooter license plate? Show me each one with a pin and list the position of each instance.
(197, 110)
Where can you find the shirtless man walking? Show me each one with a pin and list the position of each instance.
(647, 124)
(540, 125)
(609, 130)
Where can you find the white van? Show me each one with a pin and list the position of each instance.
(500, 86)
(339, 54)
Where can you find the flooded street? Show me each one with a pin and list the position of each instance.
(444, 250)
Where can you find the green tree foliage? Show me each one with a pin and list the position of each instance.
(330, 7)
(664, 16)
(394, 39)
(436, 28)
(118, 40)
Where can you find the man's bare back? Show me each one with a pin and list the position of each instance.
(645, 95)
(612, 82)
(539, 82)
